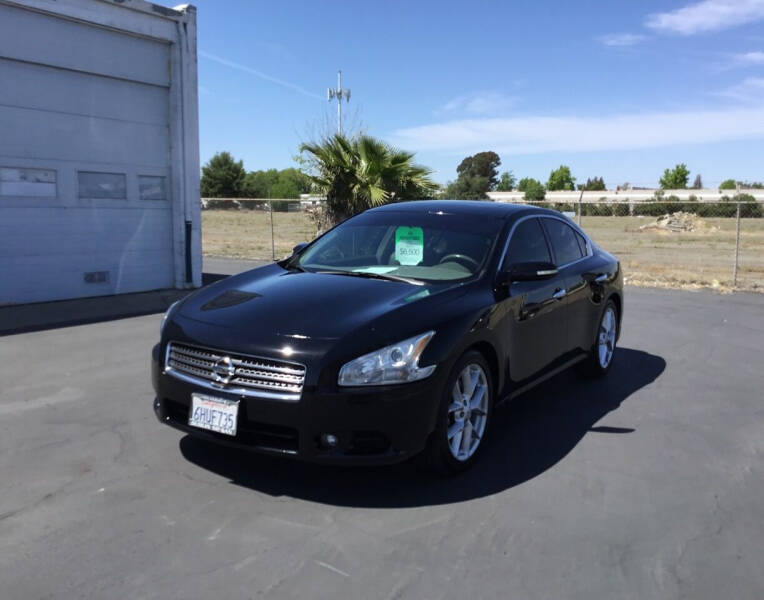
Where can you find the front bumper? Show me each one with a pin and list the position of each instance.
(374, 425)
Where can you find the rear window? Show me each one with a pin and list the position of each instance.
(564, 241)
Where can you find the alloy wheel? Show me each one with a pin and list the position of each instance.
(467, 412)
(606, 337)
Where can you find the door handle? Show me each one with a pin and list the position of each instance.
(601, 278)
(559, 294)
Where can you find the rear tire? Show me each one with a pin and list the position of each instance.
(602, 354)
(464, 415)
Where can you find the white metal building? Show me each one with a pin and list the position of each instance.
(99, 149)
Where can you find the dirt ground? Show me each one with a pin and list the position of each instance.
(686, 260)
(247, 233)
(702, 258)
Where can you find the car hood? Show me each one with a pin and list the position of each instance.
(271, 305)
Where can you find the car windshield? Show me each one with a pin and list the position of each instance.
(426, 246)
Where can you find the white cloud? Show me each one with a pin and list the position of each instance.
(750, 90)
(260, 74)
(621, 39)
(749, 58)
(708, 15)
(535, 134)
(478, 103)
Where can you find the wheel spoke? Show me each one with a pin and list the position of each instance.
(477, 398)
(454, 407)
(469, 381)
(466, 437)
(457, 427)
(464, 381)
(456, 443)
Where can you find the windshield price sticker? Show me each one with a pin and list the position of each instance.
(409, 245)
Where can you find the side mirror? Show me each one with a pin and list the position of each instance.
(299, 247)
(530, 271)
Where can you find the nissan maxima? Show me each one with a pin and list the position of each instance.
(394, 334)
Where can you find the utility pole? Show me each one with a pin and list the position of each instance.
(339, 94)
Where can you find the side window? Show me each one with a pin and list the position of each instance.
(528, 244)
(564, 241)
(581, 243)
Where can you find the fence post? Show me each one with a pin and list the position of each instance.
(737, 246)
(581, 195)
(273, 244)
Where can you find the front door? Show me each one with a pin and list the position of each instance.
(536, 324)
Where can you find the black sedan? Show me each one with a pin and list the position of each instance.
(395, 333)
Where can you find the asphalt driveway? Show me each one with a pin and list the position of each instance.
(648, 484)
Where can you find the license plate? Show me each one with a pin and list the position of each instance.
(214, 414)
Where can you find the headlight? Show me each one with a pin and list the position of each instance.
(398, 363)
(167, 314)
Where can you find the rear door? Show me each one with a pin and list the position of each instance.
(571, 249)
(536, 332)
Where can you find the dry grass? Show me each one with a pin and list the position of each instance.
(688, 259)
(685, 259)
(247, 234)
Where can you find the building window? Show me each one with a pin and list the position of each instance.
(20, 181)
(151, 187)
(102, 185)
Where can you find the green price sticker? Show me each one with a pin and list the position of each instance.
(409, 245)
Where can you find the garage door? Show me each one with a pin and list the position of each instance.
(85, 205)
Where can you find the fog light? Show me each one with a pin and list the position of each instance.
(328, 440)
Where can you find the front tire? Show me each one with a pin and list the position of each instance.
(464, 415)
(602, 354)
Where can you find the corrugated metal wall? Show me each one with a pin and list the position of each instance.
(86, 107)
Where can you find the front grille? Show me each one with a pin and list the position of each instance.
(235, 373)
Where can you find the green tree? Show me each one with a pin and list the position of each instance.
(222, 177)
(506, 182)
(287, 183)
(676, 178)
(596, 184)
(728, 184)
(290, 184)
(476, 175)
(533, 188)
(358, 173)
(561, 179)
(468, 188)
(258, 184)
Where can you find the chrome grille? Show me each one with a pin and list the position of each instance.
(236, 373)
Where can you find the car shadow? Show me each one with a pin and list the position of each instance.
(529, 436)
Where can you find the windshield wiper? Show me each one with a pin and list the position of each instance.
(370, 275)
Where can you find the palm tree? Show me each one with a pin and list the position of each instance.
(356, 174)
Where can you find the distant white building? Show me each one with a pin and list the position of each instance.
(99, 149)
(310, 201)
(704, 195)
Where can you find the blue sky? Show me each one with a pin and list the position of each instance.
(614, 89)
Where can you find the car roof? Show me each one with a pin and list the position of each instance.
(486, 208)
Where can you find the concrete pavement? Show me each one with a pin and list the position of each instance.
(647, 484)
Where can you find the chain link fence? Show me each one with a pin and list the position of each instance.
(672, 243)
(667, 243)
(256, 228)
